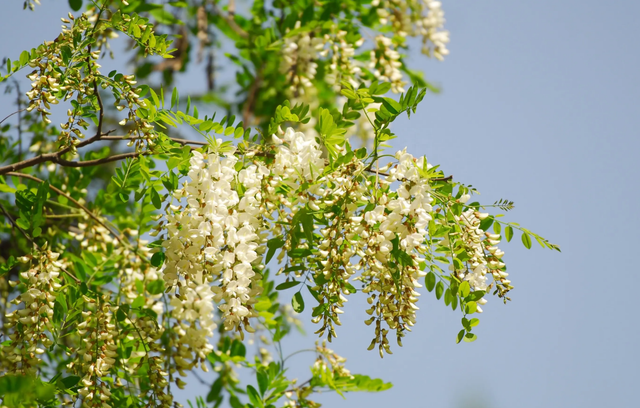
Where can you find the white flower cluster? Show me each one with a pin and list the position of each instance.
(398, 222)
(431, 27)
(298, 161)
(342, 65)
(97, 353)
(385, 63)
(299, 56)
(484, 255)
(214, 238)
(375, 222)
(416, 18)
(193, 312)
(34, 319)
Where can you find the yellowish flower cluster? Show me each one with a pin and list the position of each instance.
(31, 319)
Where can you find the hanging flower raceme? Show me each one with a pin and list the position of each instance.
(31, 319)
(211, 244)
(335, 222)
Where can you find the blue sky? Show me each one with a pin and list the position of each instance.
(540, 105)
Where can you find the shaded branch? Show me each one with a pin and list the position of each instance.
(174, 139)
(448, 178)
(230, 20)
(12, 221)
(73, 200)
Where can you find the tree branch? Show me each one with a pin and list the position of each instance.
(55, 158)
(230, 20)
(11, 114)
(12, 221)
(448, 178)
(73, 200)
(175, 139)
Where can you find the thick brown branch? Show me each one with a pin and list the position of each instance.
(55, 158)
(73, 200)
(109, 159)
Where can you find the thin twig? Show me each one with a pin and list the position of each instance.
(101, 114)
(73, 200)
(18, 102)
(448, 178)
(203, 382)
(175, 139)
(15, 225)
(60, 216)
(11, 114)
(12, 221)
(231, 21)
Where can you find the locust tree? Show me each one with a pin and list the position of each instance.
(150, 233)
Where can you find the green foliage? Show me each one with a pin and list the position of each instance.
(94, 305)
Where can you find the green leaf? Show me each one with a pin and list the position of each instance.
(263, 381)
(157, 259)
(287, 285)
(24, 58)
(306, 221)
(470, 337)
(470, 307)
(254, 397)
(439, 290)
(359, 382)
(526, 240)
(155, 287)
(391, 105)
(165, 17)
(430, 281)
(215, 391)
(75, 4)
(460, 336)
(273, 244)
(297, 302)
(23, 223)
(486, 223)
(138, 303)
(70, 381)
(238, 349)
(464, 289)
(454, 302)
(382, 88)
(349, 93)
(508, 233)
(447, 297)
(155, 198)
(475, 295)
(175, 100)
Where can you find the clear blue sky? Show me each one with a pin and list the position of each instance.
(540, 105)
